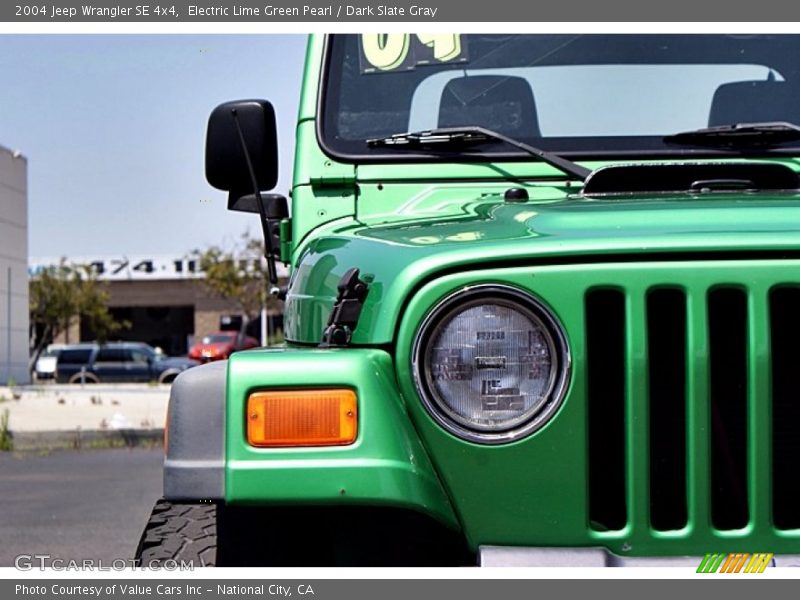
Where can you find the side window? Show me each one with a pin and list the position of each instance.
(79, 357)
(109, 355)
(138, 356)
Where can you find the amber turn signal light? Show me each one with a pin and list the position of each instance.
(302, 418)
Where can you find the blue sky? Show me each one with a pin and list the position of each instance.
(113, 127)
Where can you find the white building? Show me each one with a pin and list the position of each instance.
(13, 267)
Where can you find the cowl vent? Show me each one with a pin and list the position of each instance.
(695, 178)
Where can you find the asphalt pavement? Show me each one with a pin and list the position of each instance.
(77, 505)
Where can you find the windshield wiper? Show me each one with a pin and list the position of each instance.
(457, 137)
(738, 135)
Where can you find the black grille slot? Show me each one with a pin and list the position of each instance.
(785, 335)
(666, 341)
(605, 350)
(727, 328)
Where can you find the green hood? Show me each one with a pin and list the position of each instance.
(398, 252)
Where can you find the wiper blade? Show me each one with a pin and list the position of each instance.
(456, 137)
(431, 137)
(738, 135)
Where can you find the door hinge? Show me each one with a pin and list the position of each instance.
(286, 240)
(334, 175)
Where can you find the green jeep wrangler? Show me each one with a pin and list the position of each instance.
(543, 309)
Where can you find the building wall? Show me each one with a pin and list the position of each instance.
(13, 267)
(164, 292)
(178, 292)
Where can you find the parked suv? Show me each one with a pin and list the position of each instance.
(117, 362)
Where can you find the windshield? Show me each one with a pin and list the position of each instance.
(582, 94)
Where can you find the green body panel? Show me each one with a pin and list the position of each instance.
(309, 92)
(323, 190)
(386, 465)
(323, 196)
(535, 491)
(463, 226)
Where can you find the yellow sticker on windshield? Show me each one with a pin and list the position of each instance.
(445, 46)
(387, 52)
(384, 51)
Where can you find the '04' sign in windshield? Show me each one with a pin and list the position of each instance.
(384, 52)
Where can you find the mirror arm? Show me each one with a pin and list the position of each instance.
(265, 222)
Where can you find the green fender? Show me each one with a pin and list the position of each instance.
(386, 465)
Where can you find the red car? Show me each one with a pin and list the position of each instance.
(221, 345)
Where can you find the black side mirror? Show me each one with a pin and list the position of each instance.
(276, 208)
(226, 165)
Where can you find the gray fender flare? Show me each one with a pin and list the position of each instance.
(194, 464)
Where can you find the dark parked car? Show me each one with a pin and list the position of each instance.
(117, 362)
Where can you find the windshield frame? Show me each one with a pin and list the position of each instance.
(390, 155)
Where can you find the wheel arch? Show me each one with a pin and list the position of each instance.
(85, 377)
(168, 376)
(386, 466)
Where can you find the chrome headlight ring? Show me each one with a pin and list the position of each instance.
(491, 364)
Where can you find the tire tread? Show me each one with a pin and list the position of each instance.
(179, 532)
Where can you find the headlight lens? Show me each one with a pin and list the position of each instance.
(491, 364)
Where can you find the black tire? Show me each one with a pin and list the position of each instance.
(168, 376)
(87, 378)
(179, 532)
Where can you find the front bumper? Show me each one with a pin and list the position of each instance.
(208, 457)
(513, 556)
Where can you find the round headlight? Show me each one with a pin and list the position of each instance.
(491, 364)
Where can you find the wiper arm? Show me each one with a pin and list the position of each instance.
(456, 137)
(738, 135)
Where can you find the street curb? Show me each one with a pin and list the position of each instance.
(80, 439)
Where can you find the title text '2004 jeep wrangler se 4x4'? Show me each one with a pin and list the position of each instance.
(544, 308)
